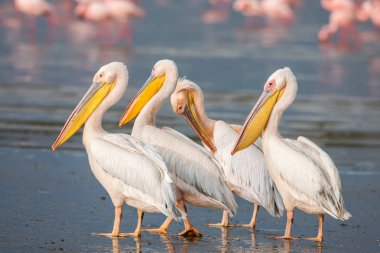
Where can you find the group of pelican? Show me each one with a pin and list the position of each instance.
(161, 170)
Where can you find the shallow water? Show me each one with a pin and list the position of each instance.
(52, 202)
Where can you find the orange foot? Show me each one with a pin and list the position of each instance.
(161, 231)
(190, 232)
(111, 235)
(251, 226)
(315, 239)
(219, 225)
(283, 237)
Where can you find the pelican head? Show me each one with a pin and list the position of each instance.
(153, 84)
(183, 103)
(104, 81)
(274, 88)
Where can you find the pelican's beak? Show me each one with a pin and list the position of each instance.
(191, 117)
(149, 89)
(93, 97)
(257, 119)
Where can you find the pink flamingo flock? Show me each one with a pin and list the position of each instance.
(118, 13)
(343, 19)
(345, 14)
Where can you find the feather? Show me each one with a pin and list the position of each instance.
(193, 164)
(139, 166)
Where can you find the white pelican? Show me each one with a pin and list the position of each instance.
(246, 173)
(304, 174)
(131, 172)
(196, 173)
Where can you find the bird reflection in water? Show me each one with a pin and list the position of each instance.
(164, 239)
(266, 36)
(116, 244)
(219, 12)
(231, 244)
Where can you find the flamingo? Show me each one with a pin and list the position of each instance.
(102, 10)
(197, 175)
(370, 10)
(34, 7)
(117, 11)
(245, 172)
(304, 174)
(130, 171)
(272, 10)
(343, 15)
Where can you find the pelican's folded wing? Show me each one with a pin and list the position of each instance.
(139, 166)
(192, 163)
(316, 168)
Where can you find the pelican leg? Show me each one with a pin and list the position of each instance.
(137, 233)
(163, 228)
(319, 237)
(189, 230)
(288, 229)
(223, 223)
(252, 223)
(116, 225)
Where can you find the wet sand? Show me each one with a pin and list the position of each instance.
(52, 202)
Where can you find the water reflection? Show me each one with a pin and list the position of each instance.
(226, 244)
(182, 245)
(254, 245)
(264, 36)
(219, 12)
(116, 245)
(224, 240)
(374, 76)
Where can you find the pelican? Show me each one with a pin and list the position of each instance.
(246, 173)
(304, 174)
(196, 173)
(130, 171)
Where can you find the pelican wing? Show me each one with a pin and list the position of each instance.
(138, 166)
(313, 178)
(191, 163)
(324, 161)
(190, 142)
(247, 169)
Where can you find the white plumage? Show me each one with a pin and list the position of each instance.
(314, 179)
(140, 168)
(130, 171)
(304, 174)
(246, 172)
(196, 173)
